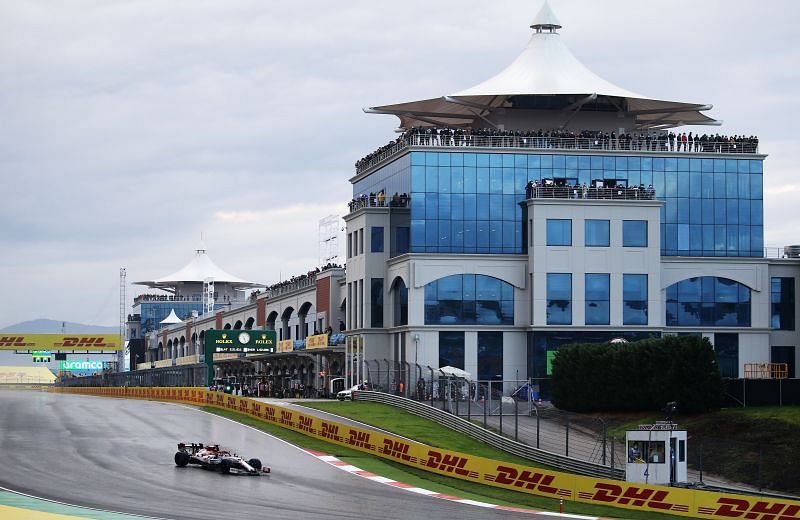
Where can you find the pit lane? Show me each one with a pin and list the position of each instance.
(116, 454)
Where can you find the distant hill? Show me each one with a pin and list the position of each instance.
(45, 326)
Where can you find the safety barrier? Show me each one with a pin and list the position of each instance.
(495, 440)
(552, 484)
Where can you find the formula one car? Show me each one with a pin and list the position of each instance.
(212, 458)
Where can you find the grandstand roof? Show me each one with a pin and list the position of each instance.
(200, 269)
(545, 69)
(26, 375)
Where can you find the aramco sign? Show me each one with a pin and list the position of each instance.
(75, 366)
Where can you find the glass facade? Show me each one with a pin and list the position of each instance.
(634, 233)
(782, 299)
(451, 349)
(376, 239)
(469, 299)
(559, 232)
(469, 202)
(598, 295)
(708, 301)
(490, 356)
(153, 312)
(559, 299)
(634, 299)
(597, 233)
(543, 345)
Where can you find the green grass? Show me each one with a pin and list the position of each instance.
(748, 445)
(411, 426)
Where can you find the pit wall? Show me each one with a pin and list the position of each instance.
(552, 484)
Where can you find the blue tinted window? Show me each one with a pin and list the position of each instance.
(597, 298)
(376, 239)
(634, 299)
(597, 233)
(634, 233)
(708, 301)
(451, 349)
(782, 300)
(469, 299)
(490, 355)
(559, 232)
(376, 302)
(726, 348)
(559, 299)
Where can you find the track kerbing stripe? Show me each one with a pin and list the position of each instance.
(333, 461)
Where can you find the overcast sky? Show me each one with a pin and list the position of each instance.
(130, 128)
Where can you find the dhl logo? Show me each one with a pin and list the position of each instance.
(359, 439)
(77, 342)
(231, 403)
(220, 401)
(12, 341)
(760, 510)
(306, 424)
(286, 418)
(448, 463)
(242, 406)
(330, 431)
(269, 414)
(396, 449)
(525, 479)
(633, 496)
(255, 410)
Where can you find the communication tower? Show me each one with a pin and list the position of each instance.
(329, 229)
(123, 275)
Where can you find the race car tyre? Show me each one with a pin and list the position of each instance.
(255, 463)
(225, 467)
(182, 459)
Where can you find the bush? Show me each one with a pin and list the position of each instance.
(640, 376)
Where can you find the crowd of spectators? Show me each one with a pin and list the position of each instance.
(560, 189)
(300, 279)
(377, 200)
(654, 141)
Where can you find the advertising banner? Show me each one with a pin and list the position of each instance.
(60, 342)
(317, 341)
(554, 484)
(286, 345)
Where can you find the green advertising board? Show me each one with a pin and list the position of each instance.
(550, 355)
(231, 341)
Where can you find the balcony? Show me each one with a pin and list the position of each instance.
(556, 141)
(550, 191)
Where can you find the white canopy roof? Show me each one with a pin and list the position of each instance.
(171, 319)
(198, 270)
(455, 372)
(545, 68)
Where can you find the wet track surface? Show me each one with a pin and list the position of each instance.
(117, 454)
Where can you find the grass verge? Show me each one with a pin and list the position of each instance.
(405, 424)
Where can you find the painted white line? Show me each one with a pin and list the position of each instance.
(50, 500)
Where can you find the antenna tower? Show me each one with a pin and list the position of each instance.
(329, 239)
(123, 275)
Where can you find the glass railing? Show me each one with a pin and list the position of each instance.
(658, 144)
(584, 192)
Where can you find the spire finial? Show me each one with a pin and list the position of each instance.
(545, 20)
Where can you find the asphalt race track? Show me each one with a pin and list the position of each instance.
(117, 454)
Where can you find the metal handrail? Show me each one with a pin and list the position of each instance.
(560, 462)
(584, 192)
(527, 140)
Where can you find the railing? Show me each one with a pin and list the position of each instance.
(373, 201)
(470, 429)
(188, 299)
(585, 192)
(287, 287)
(637, 144)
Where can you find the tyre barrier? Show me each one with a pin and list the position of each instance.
(693, 503)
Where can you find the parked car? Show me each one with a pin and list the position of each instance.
(347, 395)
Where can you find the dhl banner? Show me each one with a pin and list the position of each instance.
(285, 345)
(317, 341)
(57, 342)
(677, 501)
